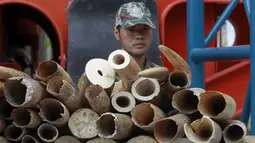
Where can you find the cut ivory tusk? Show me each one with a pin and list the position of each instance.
(49, 69)
(186, 100)
(101, 74)
(159, 73)
(123, 101)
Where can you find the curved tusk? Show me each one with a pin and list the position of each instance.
(159, 73)
(176, 60)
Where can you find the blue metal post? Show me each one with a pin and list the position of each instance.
(227, 12)
(247, 106)
(247, 8)
(195, 36)
(252, 59)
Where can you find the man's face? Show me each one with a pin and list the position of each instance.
(136, 40)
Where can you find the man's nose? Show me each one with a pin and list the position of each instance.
(139, 37)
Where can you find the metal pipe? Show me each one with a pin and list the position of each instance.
(226, 53)
(226, 13)
(247, 9)
(252, 65)
(195, 36)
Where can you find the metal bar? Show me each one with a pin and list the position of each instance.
(195, 37)
(252, 65)
(222, 53)
(226, 13)
(247, 106)
(247, 9)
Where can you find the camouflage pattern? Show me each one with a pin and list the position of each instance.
(132, 13)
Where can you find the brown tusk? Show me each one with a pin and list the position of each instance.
(23, 117)
(170, 128)
(204, 130)
(216, 105)
(5, 73)
(101, 140)
(65, 93)
(82, 123)
(233, 131)
(186, 100)
(98, 99)
(142, 139)
(67, 139)
(145, 116)
(3, 140)
(13, 133)
(47, 132)
(102, 74)
(177, 81)
(176, 60)
(159, 73)
(57, 117)
(49, 69)
(146, 90)
(114, 126)
(29, 139)
(5, 109)
(123, 102)
(24, 92)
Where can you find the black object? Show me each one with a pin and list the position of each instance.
(91, 35)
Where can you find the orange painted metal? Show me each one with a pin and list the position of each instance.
(56, 12)
(230, 77)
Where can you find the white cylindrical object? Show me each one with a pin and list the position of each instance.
(123, 101)
(145, 89)
(99, 72)
(124, 64)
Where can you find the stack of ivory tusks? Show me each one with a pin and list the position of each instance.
(115, 101)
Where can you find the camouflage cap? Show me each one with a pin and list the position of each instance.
(132, 13)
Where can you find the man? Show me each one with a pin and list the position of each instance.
(134, 30)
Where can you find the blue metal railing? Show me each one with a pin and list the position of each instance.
(198, 53)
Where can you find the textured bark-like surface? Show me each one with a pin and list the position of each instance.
(170, 128)
(114, 126)
(53, 112)
(203, 130)
(25, 118)
(145, 116)
(24, 92)
(98, 99)
(49, 69)
(186, 100)
(216, 105)
(66, 93)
